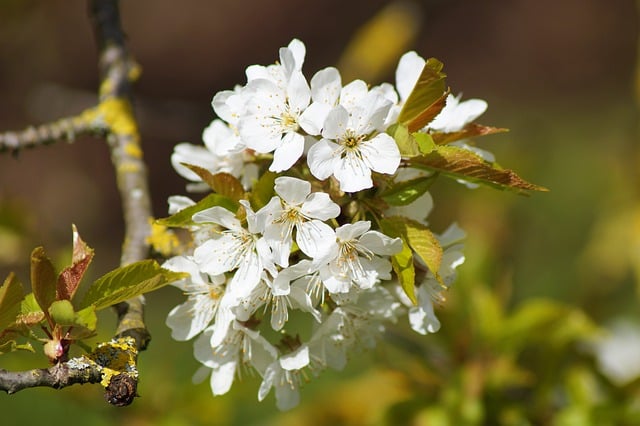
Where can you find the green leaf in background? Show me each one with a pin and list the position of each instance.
(263, 190)
(402, 264)
(127, 282)
(71, 276)
(427, 98)
(470, 131)
(43, 278)
(549, 321)
(61, 312)
(464, 164)
(11, 295)
(421, 240)
(406, 192)
(183, 218)
(221, 183)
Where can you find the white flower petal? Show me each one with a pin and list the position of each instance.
(352, 173)
(288, 152)
(336, 123)
(320, 206)
(382, 153)
(379, 243)
(222, 378)
(325, 86)
(298, 92)
(295, 360)
(351, 231)
(313, 237)
(313, 117)
(409, 69)
(321, 159)
(219, 215)
(292, 190)
(192, 154)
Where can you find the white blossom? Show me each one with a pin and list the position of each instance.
(235, 249)
(296, 207)
(354, 258)
(207, 299)
(348, 151)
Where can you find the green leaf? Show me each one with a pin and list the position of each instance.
(263, 190)
(470, 131)
(30, 312)
(84, 323)
(402, 264)
(463, 164)
(427, 98)
(71, 276)
(61, 312)
(425, 142)
(29, 304)
(421, 240)
(43, 278)
(406, 192)
(183, 218)
(406, 143)
(221, 183)
(11, 295)
(87, 318)
(127, 282)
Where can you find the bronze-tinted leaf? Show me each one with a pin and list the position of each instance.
(71, 276)
(426, 99)
(464, 164)
(11, 295)
(43, 278)
(221, 183)
(470, 131)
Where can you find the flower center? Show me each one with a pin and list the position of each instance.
(289, 121)
(351, 140)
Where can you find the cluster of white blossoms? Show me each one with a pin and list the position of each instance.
(315, 245)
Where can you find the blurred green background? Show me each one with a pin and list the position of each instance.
(546, 276)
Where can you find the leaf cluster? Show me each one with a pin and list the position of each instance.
(53, 307)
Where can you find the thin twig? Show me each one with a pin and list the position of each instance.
(64, 129)
(113, 116)
(118, 71)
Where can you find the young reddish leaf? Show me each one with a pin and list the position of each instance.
(221, 183)
(11, 295)
(70, 277)
(427, 97)
(470, 131)
(428, 114)
(43, 278)
(464, 164)
(127, 282)
(183, 219)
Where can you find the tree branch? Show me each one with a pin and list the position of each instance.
(64, 129)
(114, 117)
